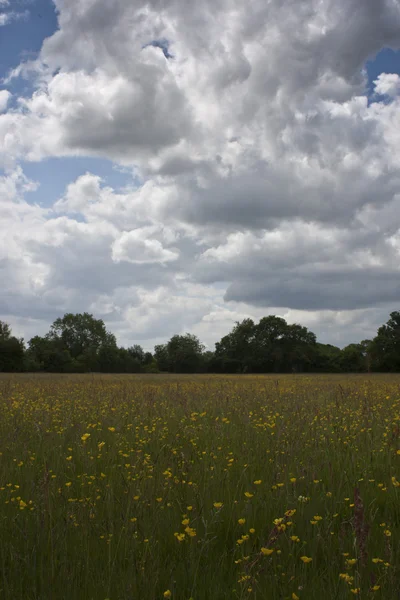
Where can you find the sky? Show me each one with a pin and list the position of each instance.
(177, 166)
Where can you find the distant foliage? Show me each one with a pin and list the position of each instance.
(79, 343)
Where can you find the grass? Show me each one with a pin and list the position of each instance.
(150, 487)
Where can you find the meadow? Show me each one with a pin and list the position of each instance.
(199, 487)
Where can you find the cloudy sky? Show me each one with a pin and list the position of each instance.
(177, 165)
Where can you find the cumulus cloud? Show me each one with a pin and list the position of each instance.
(137, 246)
(5, 95)
(263, 177)
(388, 84)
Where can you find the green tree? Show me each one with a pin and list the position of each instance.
(47, 354)
(353, 359)
(82, 336)
(235, 352)
(11, 350)
(185, 353)
(161, 357)
(385, 347)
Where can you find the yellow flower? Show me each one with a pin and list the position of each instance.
(295, 538)
(257, 482)
(377, 560)
(68, 484)
(293, 480)
(112, 429)
(351, 561)
(185, 522)
(22, 504)
(242, 521)
(167, 594)
(355, 591)
(190, 531)
(69, 458)
(85, 437)
(295, 597)
(248, 495)
(387, 532)
(218, 505)
(398, 452)
(189, 508)
(252, 530)
(267, 551)
(305, 559)
(376, 588)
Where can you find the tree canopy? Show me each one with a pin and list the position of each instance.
(82, 343)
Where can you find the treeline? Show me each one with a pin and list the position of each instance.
(79, 343)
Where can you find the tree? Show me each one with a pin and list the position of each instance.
(11, 350)
(47, 354)
(161, 357)
(234, 353)
(327, 359)
(185, 353)
(385, 347)
(82, 336)
(352, 359)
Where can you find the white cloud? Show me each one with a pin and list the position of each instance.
(138, 247)
(262, 177)
(388, 84)
(5, 95)
(8, 17)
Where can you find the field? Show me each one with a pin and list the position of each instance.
(152, 487)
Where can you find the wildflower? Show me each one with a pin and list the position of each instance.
(295, 597)
(242, 521)
(351, 561)
(85, 437)
(267, 551)
(355, 591)
(167, 594)
(295, 538)
(22, 504)
(290, 513)
(185, 522)
(248, 495)
(218, 505)
(112, 429)
(189, 508)
(377, 560)
(252, 530)
(69, 458)
(293, 480)
(190, 531)
(258, 482)
(346, 577)
(387, 532)
(305, 559)
(376, 588)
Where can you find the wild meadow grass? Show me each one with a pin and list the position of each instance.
(152, 487)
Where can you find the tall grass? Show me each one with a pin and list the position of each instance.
(143, 488)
